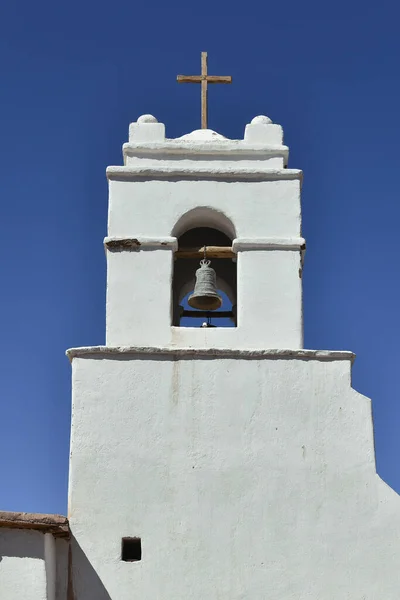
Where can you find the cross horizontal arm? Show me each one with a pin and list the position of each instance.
(199, 78)
(189, 78)
(219, 79)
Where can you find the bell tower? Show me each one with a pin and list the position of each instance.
(218, 462)
(239, 189)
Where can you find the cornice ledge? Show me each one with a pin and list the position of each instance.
(140, 243)
(55, 524)
(203, 173)
(243, 244)
(106, 351)
(187, 147)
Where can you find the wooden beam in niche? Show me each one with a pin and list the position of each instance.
(211, 252)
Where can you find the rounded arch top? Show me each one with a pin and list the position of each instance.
(204, 216)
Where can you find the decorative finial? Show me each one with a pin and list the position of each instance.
(147, 119)
(261, 120)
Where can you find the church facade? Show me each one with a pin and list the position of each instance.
(208, 461)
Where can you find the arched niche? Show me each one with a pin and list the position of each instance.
(199, 228)
(204, 216)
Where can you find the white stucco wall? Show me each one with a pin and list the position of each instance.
(139, 297)
(22, 565)
(246, 478)
(151, 207)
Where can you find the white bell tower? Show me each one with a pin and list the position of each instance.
(219, 463)
(241, 188)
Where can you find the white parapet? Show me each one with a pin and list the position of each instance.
(146, 129)
(261, 130)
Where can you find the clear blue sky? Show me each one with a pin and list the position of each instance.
(74, 74)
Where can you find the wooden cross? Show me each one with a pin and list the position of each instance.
(204, 79)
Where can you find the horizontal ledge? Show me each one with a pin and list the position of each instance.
(171, 243)
(55, 524)
(118, 244)
(243, 244)
(193, 149)
(117, 351)
(138, 243)
(239, 173)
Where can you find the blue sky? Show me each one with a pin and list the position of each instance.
(74, 74)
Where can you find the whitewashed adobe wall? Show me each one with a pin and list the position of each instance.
(246, 477)
(243, 463)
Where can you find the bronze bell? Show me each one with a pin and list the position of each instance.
(205, 295)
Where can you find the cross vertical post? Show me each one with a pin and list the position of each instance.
(204, 79)
(204, 91)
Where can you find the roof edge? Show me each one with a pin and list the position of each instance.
(55, 524)
(212, 172)
(109, 351)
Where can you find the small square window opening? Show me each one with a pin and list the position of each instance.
(131, 549)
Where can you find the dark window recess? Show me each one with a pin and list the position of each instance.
(131, 549)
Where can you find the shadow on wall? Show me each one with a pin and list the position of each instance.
(85, 584)
(80, 582)
(20, 543)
